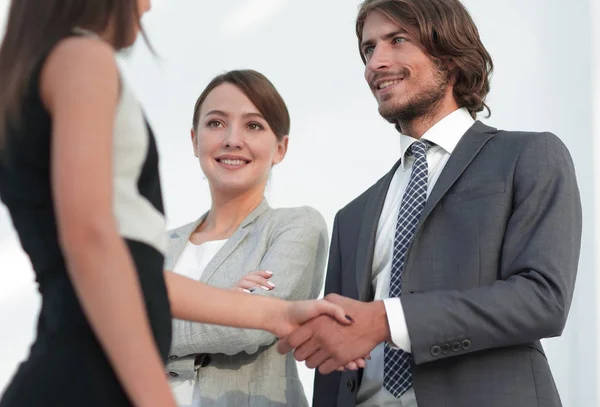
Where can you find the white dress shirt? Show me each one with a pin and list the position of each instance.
(444, 135)
(191, 264)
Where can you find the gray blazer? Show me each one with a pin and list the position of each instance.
(241, 367)
(490, 272)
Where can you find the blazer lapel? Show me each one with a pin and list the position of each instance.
(368, 233)
(178, 238)
(466, 150)
(233, 242)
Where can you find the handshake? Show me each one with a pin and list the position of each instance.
(336, 333)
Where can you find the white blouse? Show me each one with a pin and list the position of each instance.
(191, 264)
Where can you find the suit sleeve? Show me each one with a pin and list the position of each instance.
(297, 257)
(326, 387)
(538, 265)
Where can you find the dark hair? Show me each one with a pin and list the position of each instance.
(34, 28)
(261, 93)
(448, 33)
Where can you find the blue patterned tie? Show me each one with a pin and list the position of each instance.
(397, 376)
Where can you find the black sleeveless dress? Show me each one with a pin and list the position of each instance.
(66, 366)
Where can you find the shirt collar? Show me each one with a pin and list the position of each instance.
(446, 133)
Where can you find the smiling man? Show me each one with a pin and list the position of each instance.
(458, 261)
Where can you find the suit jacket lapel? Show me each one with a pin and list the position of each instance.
(368, 233)
(233, 242)
(466, 150)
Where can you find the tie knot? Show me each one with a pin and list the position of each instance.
(418, 148)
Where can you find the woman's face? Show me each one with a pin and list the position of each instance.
(234, 143)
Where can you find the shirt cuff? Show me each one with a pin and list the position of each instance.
(397, 324)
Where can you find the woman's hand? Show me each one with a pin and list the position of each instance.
(355, 365)
(295, 313)
(254, 281)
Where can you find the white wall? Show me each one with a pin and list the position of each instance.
(339, 145)
(595, 136)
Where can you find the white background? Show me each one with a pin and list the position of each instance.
(547, 59)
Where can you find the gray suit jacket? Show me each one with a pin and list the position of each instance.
(490, 272)
(241, 366)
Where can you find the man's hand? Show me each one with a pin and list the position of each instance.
(326, 344)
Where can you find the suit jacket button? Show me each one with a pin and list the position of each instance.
(446, 348)
(466, 344)
(351, 384)
(436, 350)
(456, 347)
(173, 357)
(173, 374)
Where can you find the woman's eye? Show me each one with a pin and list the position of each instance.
(255, 126)
(214, 123)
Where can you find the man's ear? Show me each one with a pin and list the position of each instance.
(452, 69)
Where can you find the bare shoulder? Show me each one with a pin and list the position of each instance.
(82, 64)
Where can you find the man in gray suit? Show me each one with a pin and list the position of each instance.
(465, 254)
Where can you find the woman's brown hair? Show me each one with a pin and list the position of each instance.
(447, 32)
(261, 92)
(34, 27)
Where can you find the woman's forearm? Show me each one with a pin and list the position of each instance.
(194, 301)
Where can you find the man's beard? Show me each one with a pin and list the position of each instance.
(423, 104)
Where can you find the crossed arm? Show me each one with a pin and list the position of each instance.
(296, 257)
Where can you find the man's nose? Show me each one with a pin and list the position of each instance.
(380, 59)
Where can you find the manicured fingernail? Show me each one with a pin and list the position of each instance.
(265, 288)
(270, 284)
(246, 291)
(269, 272)
(349, 318)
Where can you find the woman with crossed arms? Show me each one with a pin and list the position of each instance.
(240, 131)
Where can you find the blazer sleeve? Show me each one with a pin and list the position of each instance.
(296, 256)
(538, 265)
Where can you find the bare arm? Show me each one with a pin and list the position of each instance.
(195, 301)
(80, 88)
